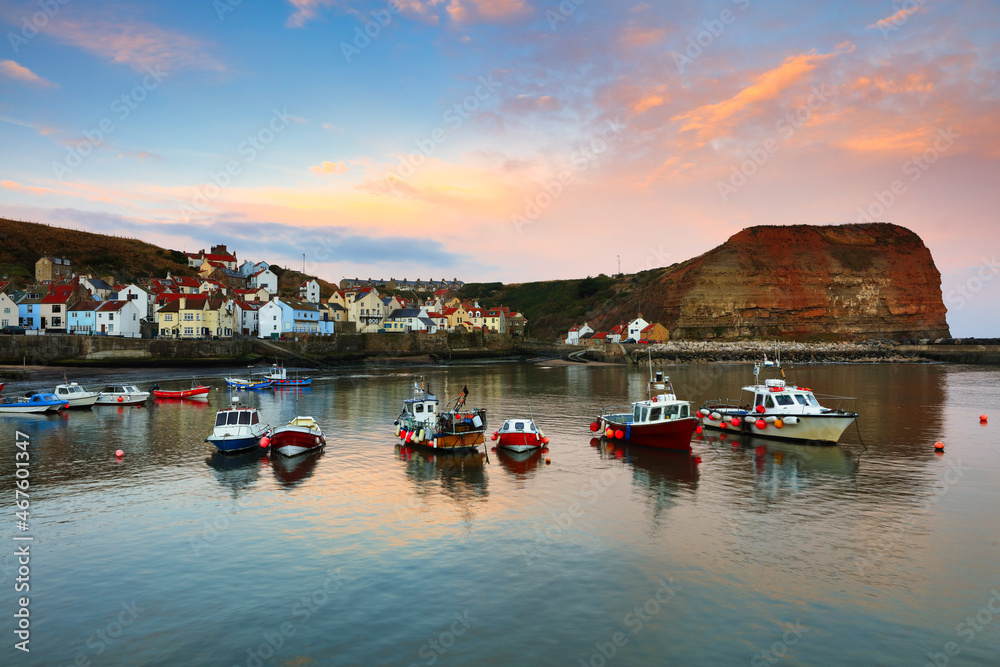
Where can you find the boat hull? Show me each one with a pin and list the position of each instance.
(519, 442)
(23, 408)
(811, 429)
(674, 434)
(229, 444)
(185, 393)
(295, 440)
(84, 402)
(133, 399)
(292, 383)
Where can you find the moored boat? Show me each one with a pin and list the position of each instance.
(34, 403)
(75, 395)
(237, 428)
(774, 408)
(298, 436)
(121, 394)
(661, 421)
(279, 377)
(194, 392)
(519, 435)
(457, 428)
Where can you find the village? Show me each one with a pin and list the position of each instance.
(231, 299)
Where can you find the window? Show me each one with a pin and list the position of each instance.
(684, 412)
(220, 419)
(188, 317)
(784, 399)
(244, 417)
(111, 317)
(801, 399)
(168, 317)
(56, 308)
(234, 418)
(654, 414)
(6, 311)
(188, 331)
(768, 402)
(419, 408)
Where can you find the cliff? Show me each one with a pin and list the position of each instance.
(854, 281)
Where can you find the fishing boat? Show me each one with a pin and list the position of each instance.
(75, 395)
(34, 403)
(237, 428)
(248, 382)
(279, 376)
(121, 394)
(196, 391)
(775, 408)
(457, 428)
(662, 420)
(519, 435)
(298, 436)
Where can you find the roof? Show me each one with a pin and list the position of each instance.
(427, 322)
(85, 305)
(618, 329)
(97, 283)
(649, 328)
(602, 335)
(112, 306)
(404, 312)
(186, 281)
(220, 258)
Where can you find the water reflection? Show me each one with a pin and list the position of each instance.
(293, 471)
(521, 464)
(787, 456)
(237, 472)
(462, 476)
(661, 475)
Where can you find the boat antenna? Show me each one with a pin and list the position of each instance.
(649, 353)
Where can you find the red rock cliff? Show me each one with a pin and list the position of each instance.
(850, 281)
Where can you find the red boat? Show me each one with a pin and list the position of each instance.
(520, 435)
(193, 392)
(298, 436)
(662, 421)
(1, 386)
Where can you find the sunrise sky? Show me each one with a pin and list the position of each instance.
(509, 140)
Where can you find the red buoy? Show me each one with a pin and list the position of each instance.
(761, 424)
(982, 419)
(697, 429)
(735, 421)
(594, 426)
(759, 409)
(119, 454)
(939, 446)
(619, 434)
(265, 442)
(545, 440)
(120, 399)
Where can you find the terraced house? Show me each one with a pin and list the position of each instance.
(195, 317)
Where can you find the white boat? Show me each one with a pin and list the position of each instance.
(75, 395)
(777, 409)
(121, 394)
(237, 428)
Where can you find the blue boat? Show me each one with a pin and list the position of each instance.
(279, 376)
(33, 403)
(237, 383)
(237, 428)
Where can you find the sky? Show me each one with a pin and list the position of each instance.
(506, 140)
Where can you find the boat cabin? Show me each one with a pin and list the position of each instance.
(72, 390)
(421, 408)
(237, 417)
(121, 389)
(518, 426)
(776, 397)
(658, 410)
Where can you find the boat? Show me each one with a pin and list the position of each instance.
(519, 435)
(1, 386)
(774, 408)
(249, 382)
(75, 395)
(457, 428)
(237, 428)
(194, 392)
(121, 394)
(293, 471)
(662, 420)
(34, 403)
(298, 436)
(279, 376)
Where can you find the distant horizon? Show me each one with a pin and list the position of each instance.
(507, 140)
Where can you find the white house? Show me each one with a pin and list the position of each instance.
(309, 291)
(408, 320)
(573, 338)
(8, 312)
(246, 317)
(635, 328)
(265, 278)
(282, 315)
(99, 289)
(144, 299)
(117, 318)
(366, 310)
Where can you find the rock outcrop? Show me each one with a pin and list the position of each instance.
(853, 281)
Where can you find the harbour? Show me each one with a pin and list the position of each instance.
(372, 552)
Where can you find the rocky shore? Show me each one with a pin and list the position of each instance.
(873, 351)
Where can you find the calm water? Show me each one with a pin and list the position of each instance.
(369, 555)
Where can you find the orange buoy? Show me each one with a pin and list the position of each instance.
(493, 437)
(939, 446)
(610, 433)
(778, 423)
(548, 461)
(982, 419)
(545, 439)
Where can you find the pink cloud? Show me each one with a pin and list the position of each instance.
(18, 72)
(305, 11)
(136, 44)
(468, 11)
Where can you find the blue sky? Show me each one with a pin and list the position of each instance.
(504, 140)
